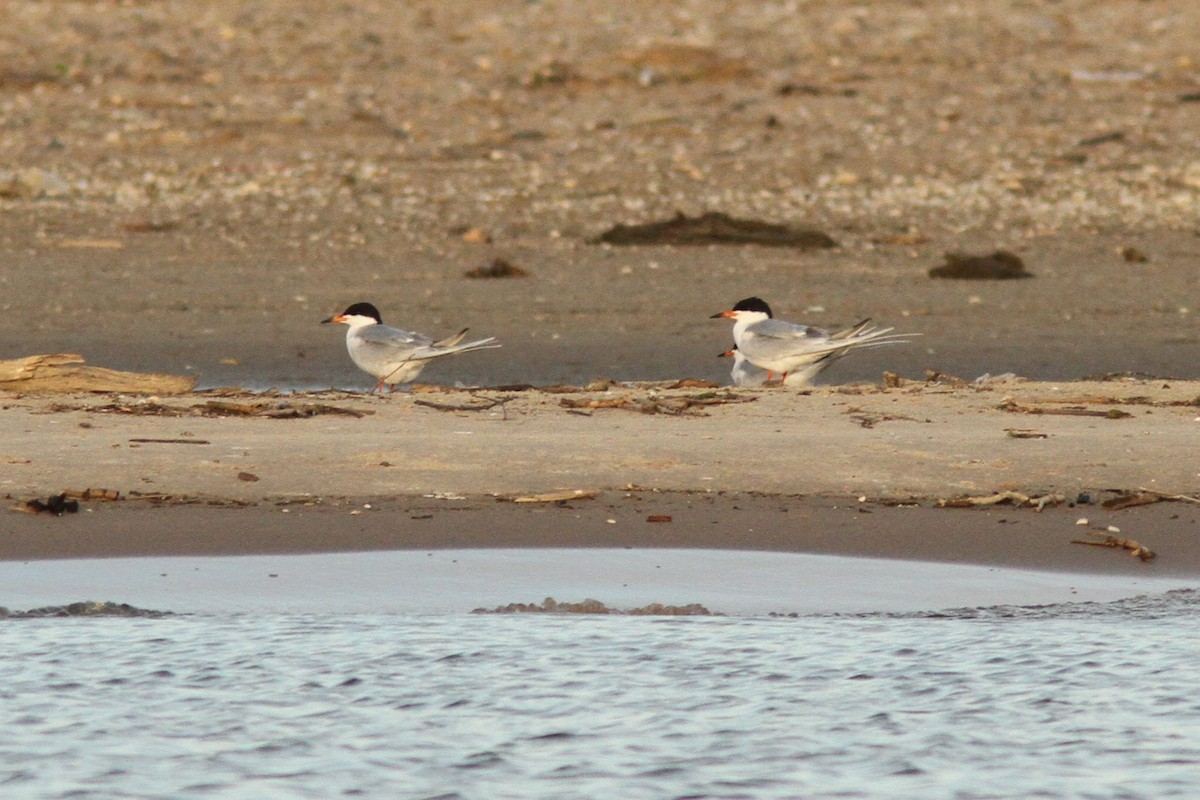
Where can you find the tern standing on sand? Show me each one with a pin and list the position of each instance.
(393, 355)
(797, 352)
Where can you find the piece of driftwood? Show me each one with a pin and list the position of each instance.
(1016, 498)
(273, 410)
(1070, 411)
(1180, 498)
(1025, 433)
(556, 497)
(92, 494)
(67, 373)
(675, 406)
(483, 404)
(1134, 548)
(1131, 500)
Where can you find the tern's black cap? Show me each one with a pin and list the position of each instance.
(753, 304)
(363, 310)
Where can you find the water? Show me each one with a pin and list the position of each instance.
(1092, 700)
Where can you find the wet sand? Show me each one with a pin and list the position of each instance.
(459, 581)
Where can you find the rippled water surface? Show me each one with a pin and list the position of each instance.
(1061, 701)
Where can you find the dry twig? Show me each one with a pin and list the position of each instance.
(1016, 498)
(487, 402)
(1134, 548)
(675, 406)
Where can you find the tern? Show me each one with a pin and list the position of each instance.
(743, 373)
(393, 355)
(797, 352)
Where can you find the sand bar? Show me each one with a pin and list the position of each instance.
(853, 470)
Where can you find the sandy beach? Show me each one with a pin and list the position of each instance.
(846, 470)
(191, 190)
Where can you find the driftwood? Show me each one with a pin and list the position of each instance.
(1134, 548)
(675, 406)
(1016, 498)
(1180, 498)
(67, 373)
(1070, 411)
(484, 404)
(556, 497)
(273, 409)
(92, 494)
(1145, 497)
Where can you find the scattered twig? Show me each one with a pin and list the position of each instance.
(692, 383)
(1183, 498)
(1016, 498)
(867, 420)
(487, 403)
(217, 408)
(169, 441)
(164, 498)
(933, 376)
(556, 497)
(92, 494)
(1134, 548)
(1145, 497)
(1070, 411)
(1025, 433)
(675, 406)
(1130, 500)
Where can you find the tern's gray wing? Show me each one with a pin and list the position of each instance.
(385, 334)
(786, 331)
(383, 338)
(384, 341)
(773, 338)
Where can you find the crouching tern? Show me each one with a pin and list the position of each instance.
(796, 352)
(743, 373)
(390, 354)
